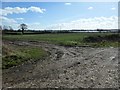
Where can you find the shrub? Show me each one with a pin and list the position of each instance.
(98, 38)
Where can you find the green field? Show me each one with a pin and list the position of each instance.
(15, 55)
(66, 39)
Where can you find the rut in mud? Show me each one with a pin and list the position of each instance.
(68, 67)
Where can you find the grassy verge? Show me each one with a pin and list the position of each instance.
(14, 55)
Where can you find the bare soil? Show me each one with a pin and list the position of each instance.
(66, 67)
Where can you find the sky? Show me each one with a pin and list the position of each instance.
(60, 15)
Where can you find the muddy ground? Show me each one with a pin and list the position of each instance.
(66, 67)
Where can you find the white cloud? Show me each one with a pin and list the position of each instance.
(17, 21)
(10, 10)
(19, 18)
(36, 9)
(90, 8)
(82, 23)
(113, 8)
(17, 10)
(35, 26)
(7, 20)
(67, 3)
(88, 23)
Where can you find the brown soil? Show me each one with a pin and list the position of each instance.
(67, 67)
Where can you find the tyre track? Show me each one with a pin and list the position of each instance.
(69, 67)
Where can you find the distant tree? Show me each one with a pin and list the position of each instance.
(99, 30)
(10, 28)
(23, 27)
(118, 30)
(19, 30)
(5, 27)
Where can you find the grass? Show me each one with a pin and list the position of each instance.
(103, 41)
(66, 39)
(15, 55)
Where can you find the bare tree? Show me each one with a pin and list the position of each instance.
(23, 27)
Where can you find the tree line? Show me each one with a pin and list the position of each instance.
(23, 30)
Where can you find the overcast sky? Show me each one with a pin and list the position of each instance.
(60, 15)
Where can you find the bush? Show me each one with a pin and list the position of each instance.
(98, 38)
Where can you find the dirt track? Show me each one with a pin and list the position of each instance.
(68, 67)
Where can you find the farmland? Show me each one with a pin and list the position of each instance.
(66, 39)
(67, 60)
(60, 45)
